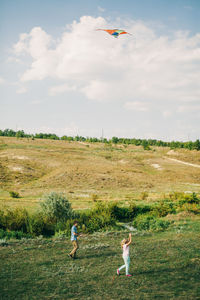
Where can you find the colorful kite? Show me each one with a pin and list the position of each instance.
(114, 32)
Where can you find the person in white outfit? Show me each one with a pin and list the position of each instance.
(126, 257)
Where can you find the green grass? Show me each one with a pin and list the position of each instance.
(164, 266)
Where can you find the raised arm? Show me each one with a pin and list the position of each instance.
(130, 240)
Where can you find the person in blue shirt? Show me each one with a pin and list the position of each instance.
(74, 235)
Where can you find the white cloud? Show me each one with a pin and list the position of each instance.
(131, 69)
(136, 105)
(167, 114)
(189, 108)
(21, 90)
(2, 80)
(59, 89)
(36, 102)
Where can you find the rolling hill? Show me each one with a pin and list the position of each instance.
(89, 171)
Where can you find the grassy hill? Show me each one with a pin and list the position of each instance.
(86, 171)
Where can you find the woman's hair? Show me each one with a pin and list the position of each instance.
(75, 222)
(123, 242)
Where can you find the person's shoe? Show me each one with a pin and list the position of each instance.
(118, 272)
(70, 255)
(128, 275)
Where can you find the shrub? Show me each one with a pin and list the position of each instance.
(144, 195)
(99, 218)
(15, 219)
(118, 213)
(2, 219)
(14, 194)
(56, 207)
(4, 234)
(190, 198)
(159, 225)
(143, 209)
(99, 222)
(40, 225)
(132, 210)
(190, 207)
(18, 221)
(176, 195)
(69, 225)
(164, 208)
(151, 223)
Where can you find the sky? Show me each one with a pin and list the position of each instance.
(59, 74)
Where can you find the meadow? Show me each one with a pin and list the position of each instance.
(155, 193)
(92, 171)
(164, 265)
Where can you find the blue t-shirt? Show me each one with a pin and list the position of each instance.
(73, 236)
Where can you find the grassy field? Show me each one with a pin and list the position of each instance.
(164, 266)
(86, 171)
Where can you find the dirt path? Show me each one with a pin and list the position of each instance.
(183, 162)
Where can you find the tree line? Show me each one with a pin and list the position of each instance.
(146, 143)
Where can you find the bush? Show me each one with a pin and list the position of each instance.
(164, 208)
(14, 194)
(144, 195)
(133, 209)
(39, 224)
(99, 222)
(189, 198)
(143, 209)
(176, 195)
(190, 207)
(4, 234)
(56, 207)
(118, 213)
(18, 220)
(150, 223)
(15, 219)
(99, 218)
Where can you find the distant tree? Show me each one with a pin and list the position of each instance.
(145, 145)
(105, 141)
(64, 138)
(189, 145)
(20, 134)
(77, 138)
(67, 138)
(39, 135)
(115, 140)
(9, 132)
(197, 145)
(53, 137)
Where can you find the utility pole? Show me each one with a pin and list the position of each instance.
(102, 135)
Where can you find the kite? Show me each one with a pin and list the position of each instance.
(115, 32)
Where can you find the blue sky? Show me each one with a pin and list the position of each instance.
(58, 74)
